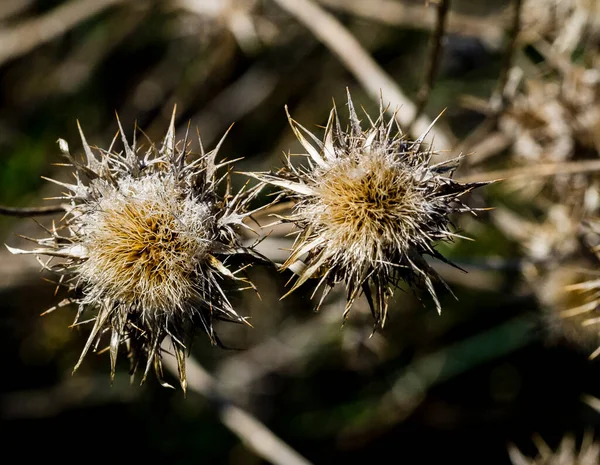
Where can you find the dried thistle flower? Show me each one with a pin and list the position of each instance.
(580, 309)
(567, 453)
(368, 207)
(554, 239)
(560, 257)
(555, 118)
(565, 24)
(140, 246)
(573, 303)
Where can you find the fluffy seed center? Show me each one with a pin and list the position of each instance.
(145, 245)
(372, 203)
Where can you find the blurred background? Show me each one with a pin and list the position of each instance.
(507, 359)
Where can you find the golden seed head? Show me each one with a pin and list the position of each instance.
(144, 233)
(144, 245)
(363, 204)
(569, 294)
(368, 207)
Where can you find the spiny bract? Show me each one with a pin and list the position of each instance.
(568, 453)
(140, 244)
(368, 208)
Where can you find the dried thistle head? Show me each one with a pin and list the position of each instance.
(582, 316)
(555, 119)
(568, 453)
(566, 24)
(539, 125)
(556, 116)
(553, 239)
(545, 18)
(142, 246)
(570, 294)
(369, 207)
(560, 257)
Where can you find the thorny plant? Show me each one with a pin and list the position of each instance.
(368, 207)
(554, 118)
(144, 241)
(143, 245)
(567, 453)
(143, 232)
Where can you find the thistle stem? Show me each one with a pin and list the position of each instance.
(433, 59)
(543, 170)
(24, 212)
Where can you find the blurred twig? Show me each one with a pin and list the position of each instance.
(77, 67)
(394, 13)
(592, 401)
(492, 145)
(546, 169)
(250, 430)
(29, 34)
(360, 63)
(24, 212)
(433, 60)
(10, 8)
(498, 100)
(235, 15)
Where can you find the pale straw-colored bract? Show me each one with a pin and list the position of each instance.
(368, 207)
(142, 245)
(567, 453)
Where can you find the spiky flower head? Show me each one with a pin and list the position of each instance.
(568, 453)
(581, 317)
(142, 246)
(368, 207)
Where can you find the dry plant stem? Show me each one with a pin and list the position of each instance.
(546, 169)
(498, 101)
(433, 59)
(24, 212)
(254, 434)
(396, 13)
(29, 34)
(492, 145)
(10, 8)
(498, 98)
(592, 401)
(369, 74)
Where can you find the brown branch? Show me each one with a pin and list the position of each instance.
(394, 13)
(433, 59)
(498, 101)
(24, 212)
(10, 8)
(543, 170)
